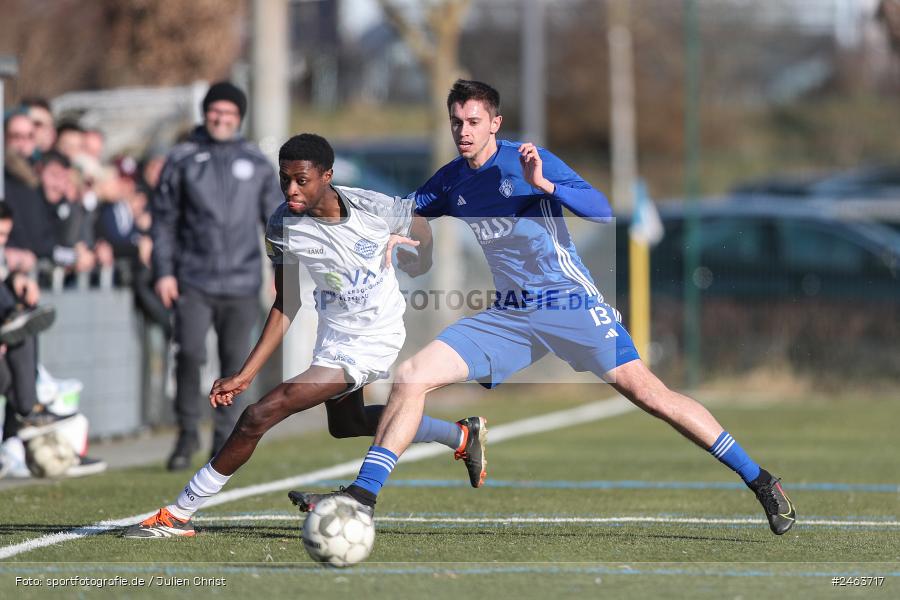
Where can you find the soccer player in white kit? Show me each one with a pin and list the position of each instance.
(344, 237)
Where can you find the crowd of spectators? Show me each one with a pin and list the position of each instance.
(71, 216)
(76, 211)
(75, 216)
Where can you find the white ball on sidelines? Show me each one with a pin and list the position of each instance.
(337, 533)
(49, 455)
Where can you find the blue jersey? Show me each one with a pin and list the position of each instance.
(520, 229)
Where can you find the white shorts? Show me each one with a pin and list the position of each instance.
(364, 358)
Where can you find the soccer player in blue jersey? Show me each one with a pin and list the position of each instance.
(513, 195)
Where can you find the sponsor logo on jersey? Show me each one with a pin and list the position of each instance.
(361, 277)
(488, 230)
(506, 187)
(334, 281)
(201, 157)
(365, 248)
(460, 201)
(242, 169)
(314, 251)
(356, 278)
(611, 334)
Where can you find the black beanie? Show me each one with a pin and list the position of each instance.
(225, 90)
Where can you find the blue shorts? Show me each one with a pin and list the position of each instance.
(498, 342)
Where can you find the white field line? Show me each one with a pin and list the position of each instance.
(512, 520)
(594, 411)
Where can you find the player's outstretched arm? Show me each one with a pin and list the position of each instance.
(282, 313)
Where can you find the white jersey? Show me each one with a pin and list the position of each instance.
(354, 293)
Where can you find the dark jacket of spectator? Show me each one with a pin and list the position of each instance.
(206, 210)
(69, 221)
(33, 224)
(115, 224)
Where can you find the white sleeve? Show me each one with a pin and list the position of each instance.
(400, 215)
(396, 212)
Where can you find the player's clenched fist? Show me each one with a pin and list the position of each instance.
(224, 390)
(533, 168)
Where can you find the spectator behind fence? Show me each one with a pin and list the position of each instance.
(69, 139)
(123, 225)
(49, 223)
(72, 142)
(20, 134)
(73, 235)
(94, 143)
(44, 124)
(21, 184)
(214, 197)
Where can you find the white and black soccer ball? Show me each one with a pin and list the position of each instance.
(49, 455)
(337, 533)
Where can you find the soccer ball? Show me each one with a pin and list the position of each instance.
(337, 534)
(49, 455)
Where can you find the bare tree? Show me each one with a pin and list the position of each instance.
(889, 12)
(170, 41)
(436, 48)
(64, 45)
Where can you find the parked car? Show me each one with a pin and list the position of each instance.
(881, 181)
(353, 173)
(871, 192)
(766, 249)
(787, 284)
(402, 160)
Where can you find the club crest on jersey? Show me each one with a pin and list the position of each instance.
(506, 187)
(365, 248)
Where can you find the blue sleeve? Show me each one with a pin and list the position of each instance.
(431, 201)
(573, 192)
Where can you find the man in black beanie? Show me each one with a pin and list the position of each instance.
(211, 206)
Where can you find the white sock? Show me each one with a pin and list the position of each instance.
(205, 484)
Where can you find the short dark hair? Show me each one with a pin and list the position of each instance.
(57, 157)
(464, 90)
(308, 146)
(68, 126)
(5, 212)
(38, 102)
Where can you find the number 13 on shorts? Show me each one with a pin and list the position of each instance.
(600, 316)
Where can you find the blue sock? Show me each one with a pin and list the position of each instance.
(729, 452)
(375, 470)
(436, 430)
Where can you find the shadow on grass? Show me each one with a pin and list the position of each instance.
(615, 535)
(38, 528)
(250, 531)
